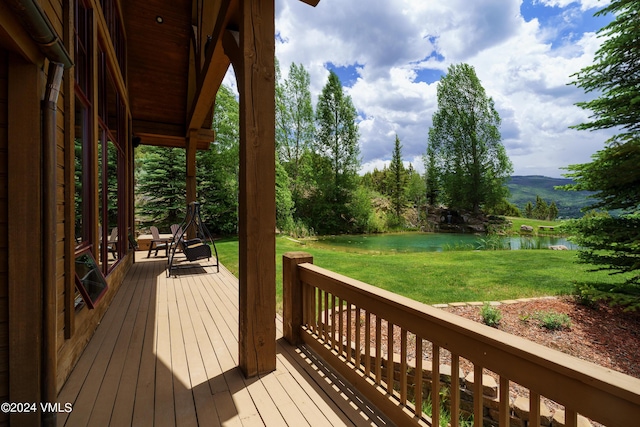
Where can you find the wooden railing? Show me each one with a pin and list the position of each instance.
(351, 325)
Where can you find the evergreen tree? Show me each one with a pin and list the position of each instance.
(528, 210)
(553, 211)
(162, 186)
(335, 160)
(541, 209)
(431, 176)
(397, 180)
(613, 243)
(471, 161)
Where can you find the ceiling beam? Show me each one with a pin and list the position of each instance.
(313, 3)
(214, 68)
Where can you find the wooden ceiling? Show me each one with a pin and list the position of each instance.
(158, 44)
(167, 95)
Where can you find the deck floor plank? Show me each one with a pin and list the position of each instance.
(166, 354)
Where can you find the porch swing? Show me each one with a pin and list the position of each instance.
(194, 249)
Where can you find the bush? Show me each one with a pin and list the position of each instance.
(553, 321)
(491, 315)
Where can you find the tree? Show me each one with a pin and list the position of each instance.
(613, 242)
(294, 123)
(335, 160)
(162, 186)
(541, 209)
(431, 176)
(397, 180)
(218, 168)
(471, 161)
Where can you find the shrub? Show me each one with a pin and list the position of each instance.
(491, 315)
(553, 321)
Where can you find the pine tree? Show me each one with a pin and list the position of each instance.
(397, 180)
(612, 242)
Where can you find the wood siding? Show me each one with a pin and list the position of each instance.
(4, 309)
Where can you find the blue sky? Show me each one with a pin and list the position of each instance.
(390, 54)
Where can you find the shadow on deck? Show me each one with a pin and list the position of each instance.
(166, 354)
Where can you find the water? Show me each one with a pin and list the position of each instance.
(433, 242)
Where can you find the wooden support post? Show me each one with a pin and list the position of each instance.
(257, 209)
(192, 142)
(25, 248)
(292, 304)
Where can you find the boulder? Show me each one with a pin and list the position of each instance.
(558, 248)
(527, 228)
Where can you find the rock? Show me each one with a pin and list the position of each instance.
(527, 228)
(559, 420)
(521, 409)
(489, 385)
(558, 248)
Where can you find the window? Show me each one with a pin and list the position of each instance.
(83, 135)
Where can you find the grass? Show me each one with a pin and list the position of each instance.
(535, 223)
(440, 277)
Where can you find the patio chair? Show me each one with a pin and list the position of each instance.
(158, 242)
(112, 243)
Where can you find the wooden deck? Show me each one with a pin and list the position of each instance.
(166, 354)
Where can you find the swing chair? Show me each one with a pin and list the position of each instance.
(194, 249)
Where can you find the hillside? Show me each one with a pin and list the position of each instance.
(525, 188)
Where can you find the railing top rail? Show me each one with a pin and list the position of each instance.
(593, 390)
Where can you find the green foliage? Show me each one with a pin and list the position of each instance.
(397, 180)
(613, 243)
(553, 321)
(334, 204)
(541, 210)
(218, 168)
(492, 242)
(284, 201)
(161, 186)
(491, 315)
(464, 143)
(505, 208)
(294, 125)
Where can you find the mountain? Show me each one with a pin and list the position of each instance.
(524, 189)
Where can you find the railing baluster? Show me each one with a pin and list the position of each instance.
(333, 341)
(319, 321)
(349, 323)
(534, 408)
(435, 386)
(478, 409)
(504, 417)
(418, 377)
(378, 350)
(390, 364)
(358, 337)
(325, 325)
(367, 343)
(341, 326)
(403, 366)
(311, 308)
(454, 408)
(570, 418)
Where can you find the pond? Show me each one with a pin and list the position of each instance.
(436, 242)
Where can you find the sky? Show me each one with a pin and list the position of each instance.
(390, 55)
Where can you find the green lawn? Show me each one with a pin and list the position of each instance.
(441, 277)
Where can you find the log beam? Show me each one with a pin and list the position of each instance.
(255, 71)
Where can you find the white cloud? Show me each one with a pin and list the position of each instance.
(523, 65)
